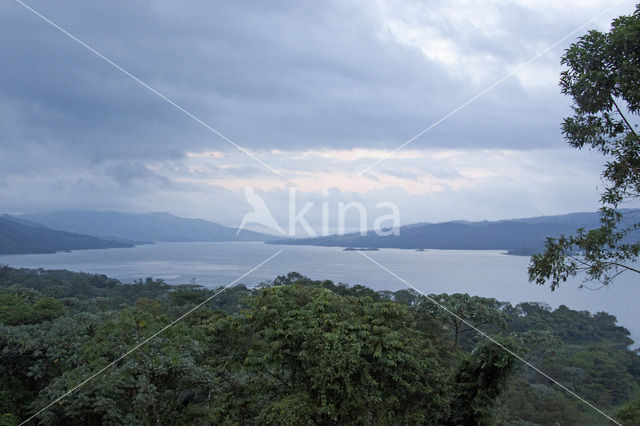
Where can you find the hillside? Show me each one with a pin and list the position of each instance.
(155, 227)
(518, 236)
(19, 238)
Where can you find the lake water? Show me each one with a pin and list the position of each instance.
(482, 273)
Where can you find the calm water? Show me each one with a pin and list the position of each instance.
(483, 273)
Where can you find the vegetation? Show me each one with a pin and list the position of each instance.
(298, 351)
(603, 80)
(18, 238)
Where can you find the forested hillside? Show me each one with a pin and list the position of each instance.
(519, 236)
(18, 238)
(297, 351)
(152, 227)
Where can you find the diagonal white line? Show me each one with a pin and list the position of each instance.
(480, 94)
(145, 85)
(485, 335)
(145, 341)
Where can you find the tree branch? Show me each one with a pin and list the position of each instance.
(624, 118)
(619, 265)
(625, 266)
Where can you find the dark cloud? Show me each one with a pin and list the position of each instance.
(269, 75)
(132, 173)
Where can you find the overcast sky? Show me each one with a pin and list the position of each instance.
(317, 90)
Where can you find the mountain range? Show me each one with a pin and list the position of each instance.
(517, 236)
(75, 230)
(142, 227)
(21, 238)
(79, 230)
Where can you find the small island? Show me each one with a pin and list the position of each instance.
(361, 249)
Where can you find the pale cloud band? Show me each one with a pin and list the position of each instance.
(427, 185)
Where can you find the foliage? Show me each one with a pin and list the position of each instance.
(480, 379)
(463, 312)
(603, 79)
(328, 359)
(296, 351)
(629, 414)
(16, 308)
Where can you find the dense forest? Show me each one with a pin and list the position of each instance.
(298, 351)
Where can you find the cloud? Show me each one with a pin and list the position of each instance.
(267, 76)
(436, 185)
(318, 90)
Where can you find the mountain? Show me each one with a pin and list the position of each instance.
(518, 236)
(20, 238)
(155, 227)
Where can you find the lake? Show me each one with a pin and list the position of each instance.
(482, 273)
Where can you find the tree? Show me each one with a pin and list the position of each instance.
(475, 310)
(603, 79)
(299, 352)
(629, 414)
(305, 355)
(167, 382)
(479, 380)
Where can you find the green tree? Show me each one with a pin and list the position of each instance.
(463, 311)
(629, 414)
(167, 382)
(603, 80)
(480, 379)
(305, 355)
(18, 309)
(297, 351)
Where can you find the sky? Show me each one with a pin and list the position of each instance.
(321, 93)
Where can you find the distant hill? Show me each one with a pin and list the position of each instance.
(153, 227)
(21, 238)
(518, 236)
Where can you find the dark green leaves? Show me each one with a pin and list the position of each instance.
(602, 77)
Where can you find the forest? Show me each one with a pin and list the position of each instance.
(299, 351)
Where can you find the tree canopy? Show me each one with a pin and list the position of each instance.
(602, 77)
(295, 350)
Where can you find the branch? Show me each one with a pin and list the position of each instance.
(619, 265)
(624, 118)
(625, 266)
(275, 376)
